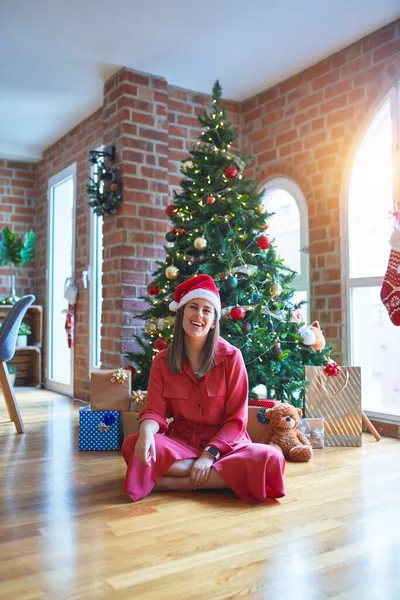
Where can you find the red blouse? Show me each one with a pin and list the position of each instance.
(206, 410)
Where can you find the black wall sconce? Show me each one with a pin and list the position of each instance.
(104, 188)
(100, 155)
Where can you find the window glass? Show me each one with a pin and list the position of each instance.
(371, 199)
(284, 226)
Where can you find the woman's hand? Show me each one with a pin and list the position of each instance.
(145, 448)
(201, 471)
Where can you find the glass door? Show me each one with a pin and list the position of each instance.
(61, 261)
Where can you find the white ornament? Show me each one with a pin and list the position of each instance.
(308, 335)
(200, 243)
(187, 165)
(171, 272)
(276, 289)
(260, 391)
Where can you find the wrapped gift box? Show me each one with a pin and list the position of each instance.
(313, 429)
(257, 425)
(99, 430)
(130, 422)
(262, 402)
(110, 389)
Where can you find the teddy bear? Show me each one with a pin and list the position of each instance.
(284, 434)
(312, 336)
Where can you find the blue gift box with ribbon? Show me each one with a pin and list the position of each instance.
(99, 430)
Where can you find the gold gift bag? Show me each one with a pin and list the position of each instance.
(338, 400)
(110, 389)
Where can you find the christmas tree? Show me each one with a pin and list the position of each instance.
(220, 227)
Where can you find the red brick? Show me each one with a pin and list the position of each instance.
(357, 95)
(387, 51)
(338, 88)
(266, 157)
(318, 70)
(311, 100)
(326, 80)
(307, 115)
(380, 37)
(287, 137)
(346, 114)
(291, 83)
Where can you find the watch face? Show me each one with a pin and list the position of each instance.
(213, 451)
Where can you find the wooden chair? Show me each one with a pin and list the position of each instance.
(8, 339)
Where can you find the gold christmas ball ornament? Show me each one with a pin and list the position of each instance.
(187, 165)
(275, 289)
(261, 209)
(200, 243)
(150, 327)
(171, 272)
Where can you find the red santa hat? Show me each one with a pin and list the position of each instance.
(201, 286)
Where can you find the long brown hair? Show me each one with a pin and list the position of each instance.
(177, 351)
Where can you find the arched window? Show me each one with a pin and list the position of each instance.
(289, 227)
(374, 342)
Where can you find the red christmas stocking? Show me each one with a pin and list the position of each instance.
(390, 292)
(70, 325)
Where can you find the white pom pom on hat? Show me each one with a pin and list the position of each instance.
(201, 286)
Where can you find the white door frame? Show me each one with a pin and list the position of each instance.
(69, 171)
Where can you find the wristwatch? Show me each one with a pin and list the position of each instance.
(213, 451)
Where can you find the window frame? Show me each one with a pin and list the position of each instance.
(94, 227)
(302, 281)
(375, 281)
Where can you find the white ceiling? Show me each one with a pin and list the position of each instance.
(56, 54)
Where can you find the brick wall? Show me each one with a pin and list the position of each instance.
(308, 129)
(18, 213)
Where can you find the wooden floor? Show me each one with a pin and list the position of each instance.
(68, 531)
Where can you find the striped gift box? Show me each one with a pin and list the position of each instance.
(338, 400)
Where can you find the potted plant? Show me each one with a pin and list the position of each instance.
(15, 252)
(12, 371)
(23, 332)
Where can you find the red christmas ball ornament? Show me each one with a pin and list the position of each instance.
(210, 199)
(332, 369)
(237, 313)
(231, 171)
(152, 289)
(161, 343)
(277, 349)
(263, 242)
(131, 369)
(179, 232)
(246, 327)
(171, 210)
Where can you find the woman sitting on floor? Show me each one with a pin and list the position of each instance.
(200, 381)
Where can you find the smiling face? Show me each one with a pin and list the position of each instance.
(198, 319)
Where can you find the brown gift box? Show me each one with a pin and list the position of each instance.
(256, 429)
(130, 423)
(110, 389)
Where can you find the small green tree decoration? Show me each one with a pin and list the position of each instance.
(15, 252)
